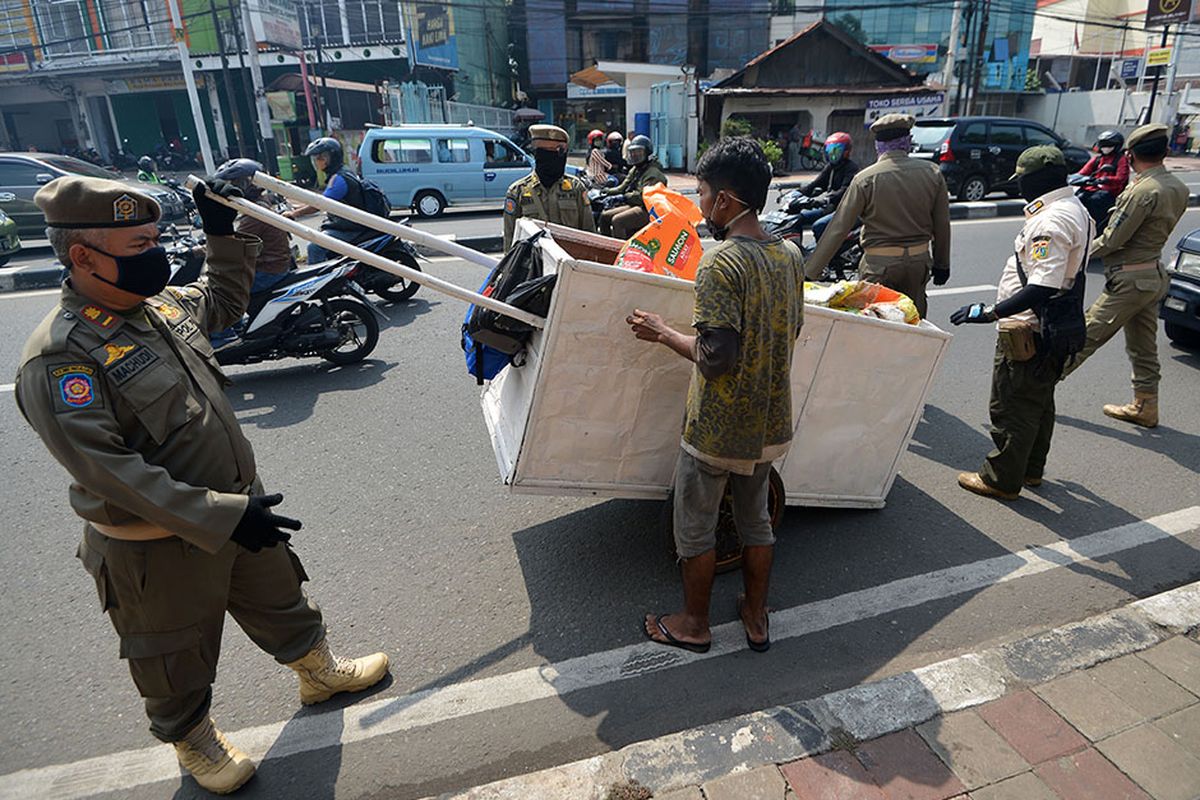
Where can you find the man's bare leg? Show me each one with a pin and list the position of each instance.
(692, 624)
(756, 575)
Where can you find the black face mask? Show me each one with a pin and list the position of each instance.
(1044, 181)
(145, 274)
(550, 165)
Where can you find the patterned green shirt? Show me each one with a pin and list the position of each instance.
(757, 289)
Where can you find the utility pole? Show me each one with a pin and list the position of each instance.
(266, 132)
(190, 81)
(233, 104)
(1169, 99)
(980, 42)
(968, 64)
(952, 54)
(1157, 74)
(236, 25)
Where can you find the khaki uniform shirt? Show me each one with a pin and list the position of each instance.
(637, 179)
(133, 404)
(1052, 247)
(565, 203)
(1142, 219)
(901, 200)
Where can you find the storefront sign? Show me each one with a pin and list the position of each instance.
(922, 105)
(148, 83)
(1131, 68)
(429, 28)
(13, 62)
(276, 23)
(282, 106)
(1166, 12)
(1158, 56)
(908, 53)
(577, 92)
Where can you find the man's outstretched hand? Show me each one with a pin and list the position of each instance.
(648, 326)
(259, 527)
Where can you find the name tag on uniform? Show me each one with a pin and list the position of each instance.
(133, 364)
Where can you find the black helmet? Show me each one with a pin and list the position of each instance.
(327, 145)
(146, 164)
(1110, 138)
(239, 171)
(644, 148)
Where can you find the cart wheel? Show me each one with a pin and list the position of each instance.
(729, 543)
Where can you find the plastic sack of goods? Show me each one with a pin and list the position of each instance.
(669, 244)
(863, 297)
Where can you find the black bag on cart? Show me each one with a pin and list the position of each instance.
(492, 340)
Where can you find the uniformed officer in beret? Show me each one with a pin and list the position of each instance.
(1135, 281)
(1047, 258)
(546, 193)
(905, 209)
(120, 383)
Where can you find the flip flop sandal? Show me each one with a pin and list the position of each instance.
(671, 641)
(758, 647)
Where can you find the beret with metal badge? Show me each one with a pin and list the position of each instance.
(75, 201)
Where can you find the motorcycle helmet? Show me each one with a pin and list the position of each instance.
(614, 139)
(327, 146)
(239, 171)
(838, 146)
(595, 138)
(640, 149)
(146, 164)
(1110, 138)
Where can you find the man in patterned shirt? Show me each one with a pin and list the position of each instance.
(748, 311)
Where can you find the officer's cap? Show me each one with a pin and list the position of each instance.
(78, 202)
(892, 126)
(1146, 134)
(1037, 158)
(548, 133)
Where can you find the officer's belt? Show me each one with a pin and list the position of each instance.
(1135, 267)
(889, 250)
(140, 531)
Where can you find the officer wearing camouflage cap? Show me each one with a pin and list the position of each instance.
(121, 384)
(546, 193)
(1135, 281)
(904, 207)
(1048, 258)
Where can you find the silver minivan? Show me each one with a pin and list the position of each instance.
(430, 167)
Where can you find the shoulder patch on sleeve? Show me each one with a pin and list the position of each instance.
(73, 386)
(186, 292)
(566, 184)
(1039, 247)
(510, 205)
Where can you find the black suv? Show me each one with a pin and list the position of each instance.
(979, 154)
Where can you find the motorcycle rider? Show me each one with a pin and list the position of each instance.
(1110, 169)
(615, 155)
(148, 170)
(341, 185)
(597, 165)
(831, 184)
(625, 220)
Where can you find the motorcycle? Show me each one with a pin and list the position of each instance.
(317, 312)
(787, 222)
(187, 252)
(386, 285)
(601, 203)
(1087, 188)
(189, 202)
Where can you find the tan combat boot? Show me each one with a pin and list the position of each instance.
(1142, 411)
(322, 674)
(216, 764)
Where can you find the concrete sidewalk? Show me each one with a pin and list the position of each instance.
(1102, 709)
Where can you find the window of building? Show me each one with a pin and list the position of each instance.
(453, 151)
(402, 151)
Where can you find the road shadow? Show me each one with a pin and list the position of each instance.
(946, 439)
(1182, 448)
(277, 398)
(405, 312)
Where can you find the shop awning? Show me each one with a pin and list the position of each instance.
(590, 78)
(293, 82)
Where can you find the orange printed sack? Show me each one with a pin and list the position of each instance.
(669, 244)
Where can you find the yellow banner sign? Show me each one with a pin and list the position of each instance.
(1158, 57)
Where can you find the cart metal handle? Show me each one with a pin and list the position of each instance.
(367, 257)
(370, 220)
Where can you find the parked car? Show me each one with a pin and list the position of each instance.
(10, 242)
(1180, 309)
(22, 174)
(979, 154)
(430, 167)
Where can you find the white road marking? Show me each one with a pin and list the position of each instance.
(980, 287)
(30, 293)
(122, 771)
(7, 387)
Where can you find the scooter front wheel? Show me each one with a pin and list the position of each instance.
(358, 328)
(402, 289)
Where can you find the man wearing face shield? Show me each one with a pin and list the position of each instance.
(1048, 257)
(120, 383)
(547, 193)
(342, 185)
(626, 220)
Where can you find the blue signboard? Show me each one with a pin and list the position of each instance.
(1131, 67)
(430, 33)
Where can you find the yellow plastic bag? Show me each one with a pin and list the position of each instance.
(668, 244)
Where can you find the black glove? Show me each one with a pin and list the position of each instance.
(216, 219)
(259, 528)
(940, 276)
(976, 312)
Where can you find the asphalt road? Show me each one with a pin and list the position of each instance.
(415, 548)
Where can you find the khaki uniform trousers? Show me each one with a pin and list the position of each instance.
(623, 222)
(906, 274)
(1022, 412)
(167, 600)
(1130, 303)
